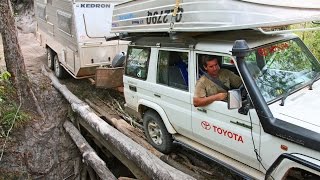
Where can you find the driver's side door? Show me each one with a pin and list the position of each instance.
(227, 131)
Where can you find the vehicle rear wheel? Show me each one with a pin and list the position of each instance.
(50, 56)
(59, 71)
(156, 132)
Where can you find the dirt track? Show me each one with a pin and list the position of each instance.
(34, 55)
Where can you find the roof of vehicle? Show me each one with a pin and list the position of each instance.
(221, 42)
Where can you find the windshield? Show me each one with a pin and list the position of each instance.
(281, 68)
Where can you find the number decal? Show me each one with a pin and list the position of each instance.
(148, 17)
(162, 17)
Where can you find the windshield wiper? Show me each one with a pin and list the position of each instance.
(284, 97)
(314, 80)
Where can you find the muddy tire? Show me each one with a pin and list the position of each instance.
(59, 71)
(156, 132)
(50, 56)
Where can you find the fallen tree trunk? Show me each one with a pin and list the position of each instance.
(88, 154)
(125, 128)
(137, 157)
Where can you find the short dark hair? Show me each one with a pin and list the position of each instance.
(208, 58)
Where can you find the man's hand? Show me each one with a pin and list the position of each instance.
(221, 96)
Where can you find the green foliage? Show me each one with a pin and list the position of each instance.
(10, 114)
(4, 76)
(9, 110)
(310, 38)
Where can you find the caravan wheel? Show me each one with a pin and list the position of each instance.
(59, 71)
(50, 56)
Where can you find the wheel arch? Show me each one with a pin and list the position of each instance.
(144, 105)
(294, 161)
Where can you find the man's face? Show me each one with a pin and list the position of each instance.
(212, 67)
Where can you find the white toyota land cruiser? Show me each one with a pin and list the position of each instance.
(267, 128)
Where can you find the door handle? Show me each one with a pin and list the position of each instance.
(157, 95)
(202, 110)
(133, 88)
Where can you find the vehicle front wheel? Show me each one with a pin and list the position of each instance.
(59, 71)
(50, 56)
(156, 132)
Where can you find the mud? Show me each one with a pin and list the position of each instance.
(41, 149)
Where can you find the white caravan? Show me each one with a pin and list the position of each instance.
(269, 127)
(75, 35)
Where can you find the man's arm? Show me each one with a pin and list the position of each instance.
(203, 101)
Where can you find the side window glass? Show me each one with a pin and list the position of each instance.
(227, 60)
(64, 21)
(137, 62)
(173, 69)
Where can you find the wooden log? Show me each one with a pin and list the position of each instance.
(125, 178)
(131, 132)
(125, 128)
(77, 168)
(92, 81)
(124, 148)
(132, 165)
(84, 173)
(91, 173)
(88, 154)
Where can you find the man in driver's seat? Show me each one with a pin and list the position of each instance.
(214, 84)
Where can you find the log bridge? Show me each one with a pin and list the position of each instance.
(138, 159)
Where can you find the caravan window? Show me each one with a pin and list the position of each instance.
(137, 62)
(64, 22)
(173, 69)
(41, 11)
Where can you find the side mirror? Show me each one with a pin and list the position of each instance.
(234, 99)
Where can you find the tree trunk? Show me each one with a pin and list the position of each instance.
(14, 58)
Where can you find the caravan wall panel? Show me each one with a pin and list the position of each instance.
(58, 30)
